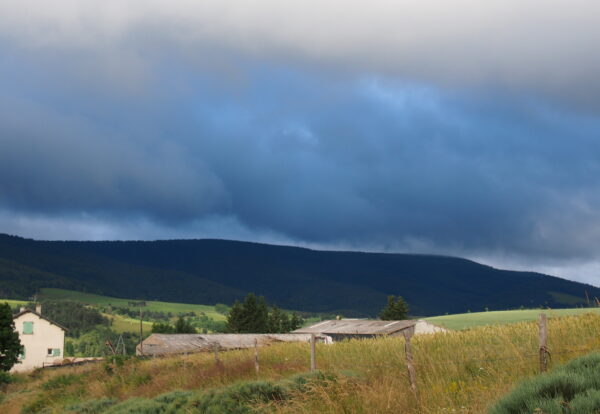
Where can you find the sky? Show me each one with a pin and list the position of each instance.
(467, 128)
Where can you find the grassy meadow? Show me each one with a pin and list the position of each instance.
(92, 299)
(121, 324)
(14, 303)
(455, 321)
(458, 372)
(469, 320)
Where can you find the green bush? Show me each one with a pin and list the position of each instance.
(91, 406)
(235, 399)
(571, 389)
(60, 381)
(137, 406)
(5, 378)
(37, 406)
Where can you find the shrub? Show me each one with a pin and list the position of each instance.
(234, 399)
(91, 406)
(573, 389)
(37, 406)
(136, 406)
(60, 381)
(5, 378)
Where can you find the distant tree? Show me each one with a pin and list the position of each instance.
(279, 321)
(254, 316)
(162, 328)
(221, 308)
(395, 310)
(296, 322)
(10, 345)
(69, 348)
(183, 326)
(251, 316)
(235, 318)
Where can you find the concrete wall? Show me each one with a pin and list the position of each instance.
(45, 336)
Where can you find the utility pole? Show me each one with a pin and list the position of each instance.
(141, 328)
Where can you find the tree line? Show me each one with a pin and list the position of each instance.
(254, 315)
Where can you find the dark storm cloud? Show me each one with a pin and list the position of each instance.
(135, 121)
(359, 161)
(54, 162)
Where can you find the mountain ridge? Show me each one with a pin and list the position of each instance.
(218, 270)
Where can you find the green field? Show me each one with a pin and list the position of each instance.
(456, 322)
(91, 299)
(121, 324)
(13, 303)
(469, 320)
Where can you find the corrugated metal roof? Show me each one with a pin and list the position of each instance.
(357, 327)
(161, 344)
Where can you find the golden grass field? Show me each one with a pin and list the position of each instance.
(458, 372)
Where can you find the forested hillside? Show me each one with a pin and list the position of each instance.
(212, 271)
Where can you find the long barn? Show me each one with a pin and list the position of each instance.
(169, 344)
(367, 328)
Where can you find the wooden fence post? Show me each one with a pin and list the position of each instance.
(256, 366)
(216, 350)
(412, 374)
(313, 356)
(543, 343)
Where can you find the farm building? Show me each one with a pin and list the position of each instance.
(367, 328)
(42, 339)
(166, 344)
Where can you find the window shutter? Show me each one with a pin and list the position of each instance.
(28, 328)
(56, 352)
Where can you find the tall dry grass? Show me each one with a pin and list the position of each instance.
(457, 372)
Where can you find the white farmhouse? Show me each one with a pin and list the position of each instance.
(43, 340)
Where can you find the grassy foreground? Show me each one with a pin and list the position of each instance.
(573, 388)
(460, 372)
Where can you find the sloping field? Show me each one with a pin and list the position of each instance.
(469, 320)
(458, 372)
(93, 299)
(13, 303)
(121, 324)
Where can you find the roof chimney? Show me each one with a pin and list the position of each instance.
(38, 308)
(22, 309)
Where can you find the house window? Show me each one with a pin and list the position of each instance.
(53, 352)
(27, 328)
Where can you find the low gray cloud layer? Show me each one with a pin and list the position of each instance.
(541, 46)
(464, 130)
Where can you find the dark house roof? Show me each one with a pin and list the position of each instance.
(40, 316)
(357, 327)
